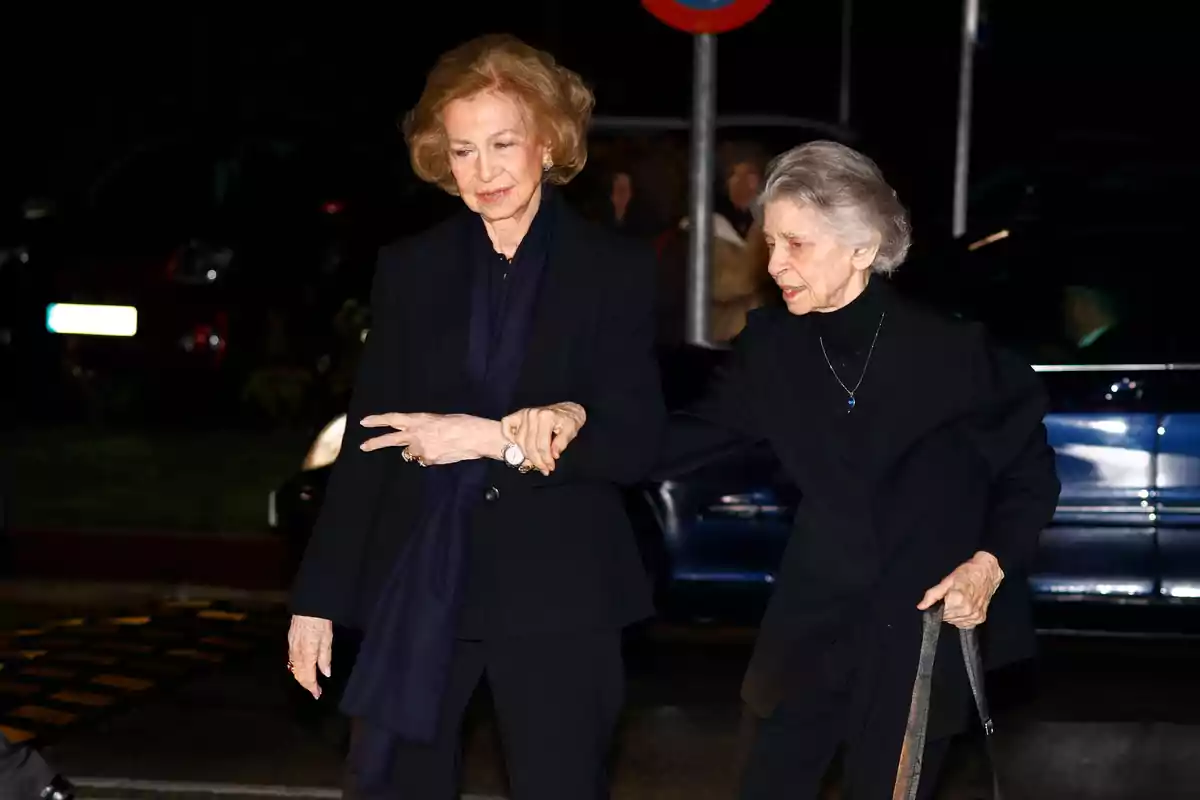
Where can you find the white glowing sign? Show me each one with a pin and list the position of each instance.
(91, 320)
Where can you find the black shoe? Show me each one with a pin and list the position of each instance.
(59, 789)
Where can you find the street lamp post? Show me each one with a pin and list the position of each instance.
(962, 145)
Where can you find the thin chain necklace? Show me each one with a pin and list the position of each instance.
(850, 401)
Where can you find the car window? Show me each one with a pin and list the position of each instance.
(1088, 296)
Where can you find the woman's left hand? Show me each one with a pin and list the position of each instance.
(543, 433)
(431, 439)
(967, 591)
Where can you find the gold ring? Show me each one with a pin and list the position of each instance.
(421, 461)
(291, 667)
(406, 455)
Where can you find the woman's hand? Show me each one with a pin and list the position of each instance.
(967, 591)
(543, 433)
(432, 439)
(310, 647)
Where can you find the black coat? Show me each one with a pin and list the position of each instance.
(943, 455)
(547, 553)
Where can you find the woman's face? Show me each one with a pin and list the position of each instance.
(812, 267)
(495, 155)
(742, 185)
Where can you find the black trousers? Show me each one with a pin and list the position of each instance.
(792, 751)
(557, 700)
(24, 774)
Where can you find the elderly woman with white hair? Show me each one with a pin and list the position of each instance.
(924, 472)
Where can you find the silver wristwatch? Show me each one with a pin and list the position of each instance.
(513, 455)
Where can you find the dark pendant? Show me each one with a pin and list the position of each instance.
(850, 402)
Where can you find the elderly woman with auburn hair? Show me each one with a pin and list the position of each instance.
(473, 524)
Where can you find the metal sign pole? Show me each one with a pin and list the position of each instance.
(702, 169)
(962, 149)
(844, 82)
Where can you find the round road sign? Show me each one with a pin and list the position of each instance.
(705, 16)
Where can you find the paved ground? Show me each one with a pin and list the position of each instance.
(1103, 719)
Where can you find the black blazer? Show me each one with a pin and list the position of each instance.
(547, 553)
(945, 454)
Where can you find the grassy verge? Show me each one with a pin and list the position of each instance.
(189, 481)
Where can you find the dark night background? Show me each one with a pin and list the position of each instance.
(83, 85)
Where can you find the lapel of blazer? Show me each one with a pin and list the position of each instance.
(563, 301)
(439, 306)
(438, 309)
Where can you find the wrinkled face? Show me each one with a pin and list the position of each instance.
(813, 268)
(495, 156)
(742, 185)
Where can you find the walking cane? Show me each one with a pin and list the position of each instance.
(908, 774)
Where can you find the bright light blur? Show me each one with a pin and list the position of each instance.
(328, 445)
(91, 320)
(1115, 426)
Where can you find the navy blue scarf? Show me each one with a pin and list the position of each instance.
(398, 682)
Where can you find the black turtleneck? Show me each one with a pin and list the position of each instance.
(848, 332)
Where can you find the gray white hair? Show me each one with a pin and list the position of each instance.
(848, 189)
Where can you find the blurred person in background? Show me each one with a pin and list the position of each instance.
(460, 533)
(25, 775)
(622, 208)
(740, 281)
(742, 167)
(920, 454)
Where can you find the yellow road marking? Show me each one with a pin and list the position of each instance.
(189, 604)
(27, 655)
(67, 623)
(47, 715)
(129, 620)
(123, 682)
(226, 616)
(83, 698)
(15, 735)
(30, 632)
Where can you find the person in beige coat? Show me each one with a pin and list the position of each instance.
(740, 282)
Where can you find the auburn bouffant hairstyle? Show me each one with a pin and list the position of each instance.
(557, 101)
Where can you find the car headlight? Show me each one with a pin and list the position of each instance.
(327, 446)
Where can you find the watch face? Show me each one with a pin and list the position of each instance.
(514, 455)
